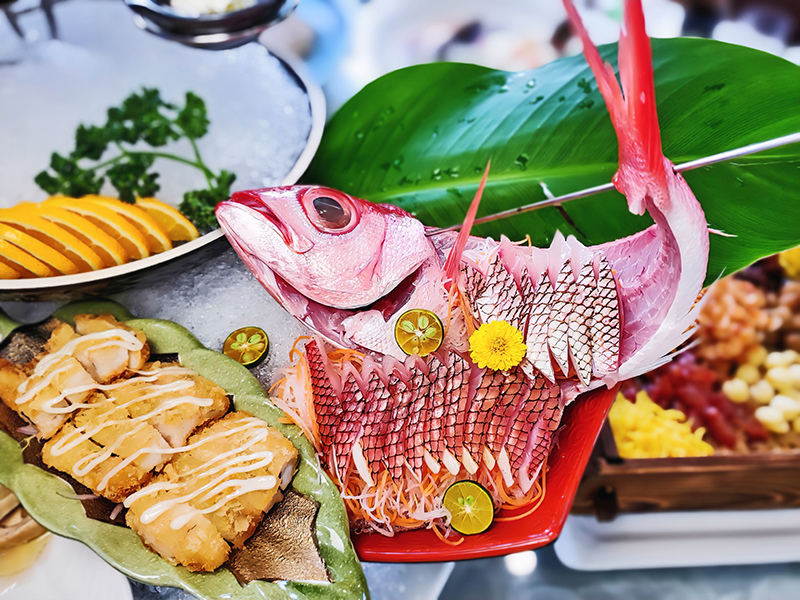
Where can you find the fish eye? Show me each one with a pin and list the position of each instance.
(330, 211)
(332, 214)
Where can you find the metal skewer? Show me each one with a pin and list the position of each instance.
(687, 166)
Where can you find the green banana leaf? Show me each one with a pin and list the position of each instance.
(42, 494)
(420, 137)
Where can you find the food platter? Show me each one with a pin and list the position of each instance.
(65, 516)
(567, 461)
(97, 38)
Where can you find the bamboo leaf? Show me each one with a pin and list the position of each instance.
(420, 138)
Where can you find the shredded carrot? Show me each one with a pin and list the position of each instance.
(280, 382)
(538, 503)
(294, 353)
(443, 537)
(286, 421)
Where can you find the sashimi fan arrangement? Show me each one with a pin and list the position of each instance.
(440, 358)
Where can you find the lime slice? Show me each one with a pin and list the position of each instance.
(248, 346)
(419, 331)
(471, 507)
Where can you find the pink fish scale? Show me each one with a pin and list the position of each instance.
(500, 299)
(394, 437)
(455, 402)
(558, 326)
(605, 331)
(527, 293)
(327, 405)
(580, 320)
(542, 437)
(350, 424)
(479, 413)
(517, 441)
(417, 424)
(375, 413)
(538, 353)
(435, 406)
(514, 390)
(472, 283)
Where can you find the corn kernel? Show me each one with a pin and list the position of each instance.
(762, 392)
(789, 407)
(757, 356)
(794, 373)
(776, 359)
(736, 390)
(748, 373)
(772, 419)
(796, 424)
(780, 378)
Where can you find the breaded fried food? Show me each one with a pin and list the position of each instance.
(95, 467)
(176, 403)
(181, 534)
(110, 425)
(232, 472)
(106, 362)
(44, 400)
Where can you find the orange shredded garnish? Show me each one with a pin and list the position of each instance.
(443, 537)
(541, 487)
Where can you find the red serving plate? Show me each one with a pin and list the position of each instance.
(583, 420)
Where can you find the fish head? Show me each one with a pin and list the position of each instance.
(319, 244)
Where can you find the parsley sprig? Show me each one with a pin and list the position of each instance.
(142, 118)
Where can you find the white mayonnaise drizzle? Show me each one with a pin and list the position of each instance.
(127, 340)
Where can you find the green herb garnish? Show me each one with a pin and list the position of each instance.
(143, 118)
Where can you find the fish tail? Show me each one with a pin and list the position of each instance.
(633, 107)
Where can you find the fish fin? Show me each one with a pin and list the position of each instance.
(453, 263)
(633, 114)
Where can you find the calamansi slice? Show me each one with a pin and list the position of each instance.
(471, 507)
(248, 345)
(49, 256)
(22, 262)
(114, 224)
(157, 238)
(107, 247)
(419, 331)
(177, 227)
(25, 218)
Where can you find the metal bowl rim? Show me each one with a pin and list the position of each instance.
(316, 101)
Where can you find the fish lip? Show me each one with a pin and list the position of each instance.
(250, 200)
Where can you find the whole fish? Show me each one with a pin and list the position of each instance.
(395, 430)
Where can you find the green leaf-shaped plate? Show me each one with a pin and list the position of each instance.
(120, 547)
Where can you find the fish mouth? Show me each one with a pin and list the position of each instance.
(250, 201)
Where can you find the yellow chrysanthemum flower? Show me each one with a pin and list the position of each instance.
(497, 345)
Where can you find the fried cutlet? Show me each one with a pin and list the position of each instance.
(232, 471)
(96, 467)
(176, 403)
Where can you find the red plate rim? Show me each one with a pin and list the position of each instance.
(583, 420)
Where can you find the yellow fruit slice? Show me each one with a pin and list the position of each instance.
(49, 256)
(22, 262)
(25, 218)
(177, 227)
(157, 238)
(108, 248)
(7, 272)
(114, 224)
(471, 507)
(418, 331)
